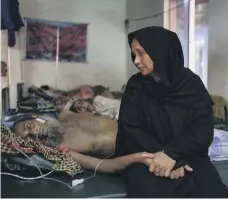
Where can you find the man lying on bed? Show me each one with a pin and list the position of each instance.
(86, 136)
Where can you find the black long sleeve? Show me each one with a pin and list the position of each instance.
(196, 140)
(131, 137)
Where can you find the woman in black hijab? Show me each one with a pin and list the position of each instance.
(166, 111)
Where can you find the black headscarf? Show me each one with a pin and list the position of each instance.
(179, 85)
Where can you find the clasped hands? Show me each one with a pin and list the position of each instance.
(161, 165)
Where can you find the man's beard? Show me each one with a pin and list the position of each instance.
(50, 136)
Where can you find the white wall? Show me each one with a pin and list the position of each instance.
(106, 50)
(138, 9)
(218, 48)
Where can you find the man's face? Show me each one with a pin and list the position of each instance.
(27, 128)
(83, 106)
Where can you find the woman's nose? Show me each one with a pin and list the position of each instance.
(137, 61)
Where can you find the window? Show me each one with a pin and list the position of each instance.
(189, 19)
(179, 23)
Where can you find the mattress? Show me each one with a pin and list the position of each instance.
(222, 168)
(218, 150)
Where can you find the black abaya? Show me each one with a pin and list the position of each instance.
(174, 115)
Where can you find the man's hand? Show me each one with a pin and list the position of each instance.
(145, 158)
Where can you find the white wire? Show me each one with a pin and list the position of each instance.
(27, 178)
(29, 159)
(95, 170)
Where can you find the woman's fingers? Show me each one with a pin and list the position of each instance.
(172, 175)
(176, 174)
(152, 168)
(162, 172)
(188, 168)
(181, 171)
(157, 169)
(167, 173)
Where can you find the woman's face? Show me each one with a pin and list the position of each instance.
(142, 60)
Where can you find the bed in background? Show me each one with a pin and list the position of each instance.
(218, 153)
(102, 186)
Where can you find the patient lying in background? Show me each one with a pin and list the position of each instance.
(85, 135)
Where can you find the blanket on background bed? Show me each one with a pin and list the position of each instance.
(218, 150)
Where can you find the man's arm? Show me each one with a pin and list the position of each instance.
(108, 165)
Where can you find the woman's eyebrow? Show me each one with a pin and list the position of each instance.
(138, 50)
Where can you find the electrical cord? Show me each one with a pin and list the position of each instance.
(95, 170)
(27, 178)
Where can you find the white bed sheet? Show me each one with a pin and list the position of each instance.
(218, 150)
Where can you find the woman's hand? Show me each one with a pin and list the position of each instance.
(180, 172)
(161, 164)
(175, 174)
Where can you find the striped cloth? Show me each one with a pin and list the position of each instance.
(42, 106)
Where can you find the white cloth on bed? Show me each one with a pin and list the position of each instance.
(106, 106)
(218, 150)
